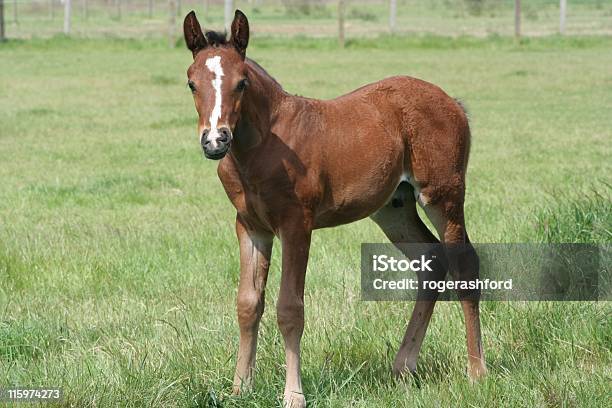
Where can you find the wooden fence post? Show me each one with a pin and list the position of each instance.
(341, 41)
(172, 23)
(229, 14)
(2, 34)
(392, 15)
(517, 18)
(67, 16)
(562, 14)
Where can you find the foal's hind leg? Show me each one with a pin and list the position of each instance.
(447, 216)
(401, 223)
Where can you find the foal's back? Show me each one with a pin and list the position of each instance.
(366, 142)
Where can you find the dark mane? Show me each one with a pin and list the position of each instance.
(263, 71)
(216, 38)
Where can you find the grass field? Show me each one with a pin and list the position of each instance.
(118, 262)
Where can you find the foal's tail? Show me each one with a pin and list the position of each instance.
(462, 106)
(468, 140)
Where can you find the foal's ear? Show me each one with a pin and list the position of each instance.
(194, 38)
(240, 33)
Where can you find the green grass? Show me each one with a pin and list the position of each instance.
(118, 262)
(586, 218)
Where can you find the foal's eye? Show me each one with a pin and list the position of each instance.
(191, 86)
(242, 85)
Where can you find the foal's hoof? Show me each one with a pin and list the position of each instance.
(401, 374)
(404, 374)
(477, 372)
(294, 400)
(403, 369)
(241, 388)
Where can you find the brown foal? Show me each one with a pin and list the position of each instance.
(291, 165)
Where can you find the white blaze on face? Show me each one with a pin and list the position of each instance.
(214, 65)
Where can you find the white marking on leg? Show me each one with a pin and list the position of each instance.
(214, 65)
(422, 199)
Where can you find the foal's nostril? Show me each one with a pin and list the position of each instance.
(224, 135)
(217, 143)
(204, 140)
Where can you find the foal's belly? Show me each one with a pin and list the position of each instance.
(358, 192)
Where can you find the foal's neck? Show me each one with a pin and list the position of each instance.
(259, 110)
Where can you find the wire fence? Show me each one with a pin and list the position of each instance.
(161, 18)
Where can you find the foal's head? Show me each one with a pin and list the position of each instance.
(218, 80)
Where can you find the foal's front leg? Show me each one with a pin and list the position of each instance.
(295, 241)
(255, 251)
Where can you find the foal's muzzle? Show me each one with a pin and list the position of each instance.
(216, 143)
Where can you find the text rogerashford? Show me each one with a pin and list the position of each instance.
(385, 263)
